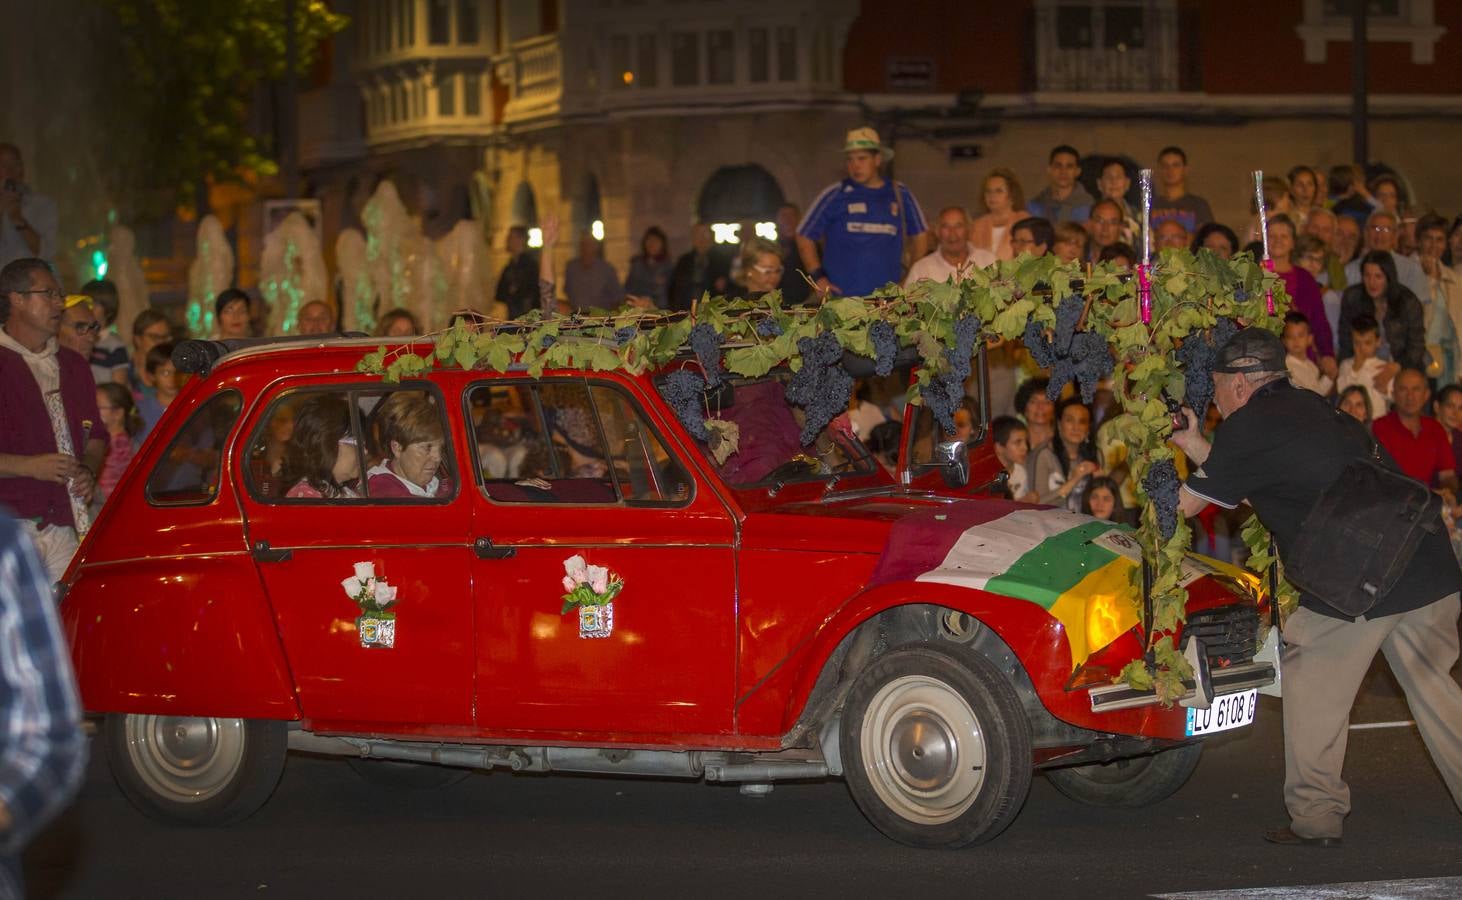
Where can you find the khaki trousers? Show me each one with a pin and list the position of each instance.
(55, 546)
(1324, 661)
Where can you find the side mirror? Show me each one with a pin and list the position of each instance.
(953, 458)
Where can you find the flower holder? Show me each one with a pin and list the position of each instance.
(596, 621)
(376, 631)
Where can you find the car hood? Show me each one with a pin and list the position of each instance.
(1081, 570)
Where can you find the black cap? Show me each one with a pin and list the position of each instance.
(1264, 348)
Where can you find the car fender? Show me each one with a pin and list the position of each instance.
(152, 636)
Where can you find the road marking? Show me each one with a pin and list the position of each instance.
(1406, 889)
(1369, 726)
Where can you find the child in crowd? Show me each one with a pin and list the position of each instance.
(1355, 401)
(1103, 500)
(1012, 446)
(119, 417)
(1070, 242)
(1365, 369)
(1297, 343)
(164, 381)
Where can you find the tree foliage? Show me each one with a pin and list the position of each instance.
(185, 79)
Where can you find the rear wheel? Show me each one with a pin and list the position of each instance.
(1138, 781)
(938, 749)
(195, 770)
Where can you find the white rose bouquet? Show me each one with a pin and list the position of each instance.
(587, 585)
(371, 594)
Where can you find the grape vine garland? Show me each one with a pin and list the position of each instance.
(1083, 324)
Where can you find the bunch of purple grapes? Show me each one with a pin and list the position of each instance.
(822, 387)
(944, 393)
(885, 346)
(705, 340)
(1161, 486)
(1080, 356)
(1196, 356)
(685, 391)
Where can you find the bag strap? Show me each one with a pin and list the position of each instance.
(1273, 584)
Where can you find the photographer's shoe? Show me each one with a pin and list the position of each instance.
(1288, 838)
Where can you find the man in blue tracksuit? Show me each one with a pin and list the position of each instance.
(862, 222)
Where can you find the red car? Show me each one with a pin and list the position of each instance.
(478, 569)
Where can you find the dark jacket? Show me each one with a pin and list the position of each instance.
(689, 280)
(518, 285)
(25, 430)
(1405, 325)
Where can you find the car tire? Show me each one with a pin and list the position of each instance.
(406, 776)
(936, 747)
(195, 770)
(1136, 781)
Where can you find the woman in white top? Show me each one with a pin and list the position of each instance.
(1004, 203)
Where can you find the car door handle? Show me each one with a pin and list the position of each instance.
(264, 553)
(484, 549)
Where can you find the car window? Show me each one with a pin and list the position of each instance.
(187, 473)
(561, 442)
(645, 471)
(351, 445)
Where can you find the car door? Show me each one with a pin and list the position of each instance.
(574, 467)
(306, 543)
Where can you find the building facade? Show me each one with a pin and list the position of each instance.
(631, 113)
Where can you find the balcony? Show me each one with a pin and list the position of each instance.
(533, 71)
(1113, 46)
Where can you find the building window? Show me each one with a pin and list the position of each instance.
(646, 61)
(758, 56)
(786, 53)
(1387, 21)
(685, 58)
(467, 31)
(721, 57)
(621, 70)
(408, 15)
(472, 94)
(447, 95)
(1106, 45)
(439, 21)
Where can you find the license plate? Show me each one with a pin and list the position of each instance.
(1228, 711)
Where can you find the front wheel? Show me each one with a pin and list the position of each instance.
(938, 749)
(1138, 781)
(195, 770)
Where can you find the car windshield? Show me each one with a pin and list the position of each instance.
(768, 445)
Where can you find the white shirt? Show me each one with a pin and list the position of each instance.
(1306, 374)
(936, 268)
(43, 365)
(416, 490)
(1366, 378)
(40, 211)
(1408, 271)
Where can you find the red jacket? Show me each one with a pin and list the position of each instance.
(25, 430)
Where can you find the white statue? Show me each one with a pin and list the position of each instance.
(125, 271)
(464, 257)
(403, 264)
(292, 273)
(358, 311)
(211, 272)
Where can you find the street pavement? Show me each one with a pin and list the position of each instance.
(327, 833)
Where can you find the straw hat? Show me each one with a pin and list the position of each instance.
(866, 139)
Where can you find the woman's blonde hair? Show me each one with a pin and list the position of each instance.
(1012, 184)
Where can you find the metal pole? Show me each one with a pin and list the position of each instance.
(289, 124)
(1359, 115)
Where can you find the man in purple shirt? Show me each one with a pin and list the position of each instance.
(53, 441)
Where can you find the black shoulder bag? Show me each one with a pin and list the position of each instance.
(1359, 537)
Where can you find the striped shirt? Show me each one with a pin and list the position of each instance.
(42, 748)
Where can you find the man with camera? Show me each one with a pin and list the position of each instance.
(1283, 450)
(27, 217)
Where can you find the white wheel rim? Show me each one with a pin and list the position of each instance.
(185, 759)
(923, 750)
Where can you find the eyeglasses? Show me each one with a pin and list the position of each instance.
(86, 327)
(1382, 229)
(48, 293)
(769, 270)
